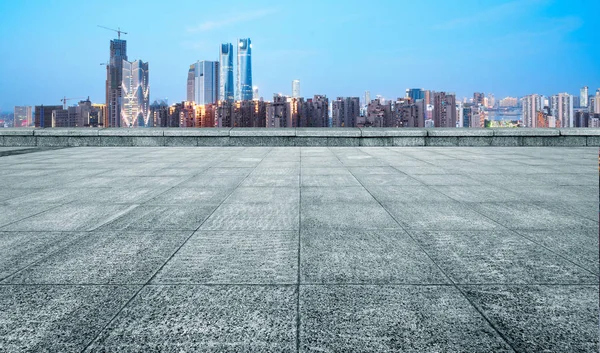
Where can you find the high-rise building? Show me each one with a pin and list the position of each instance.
(159, 114)
(379, 113)
(597, 102)
(491, 100)
(415, 93)
(296, 89)
(43, 115)
(367, 98)
(409, 113)
(583, 97)
(244, 70)
(135, 107)
(532, 104)
(478, 98)
(226, 72)
(255, 95)
(23, 116)
(345, 111)
(88, 114)
(279, 112)
(203, 82)
(444, 110)
(114, 80)
(562, 109)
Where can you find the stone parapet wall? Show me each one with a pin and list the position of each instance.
(298, 137)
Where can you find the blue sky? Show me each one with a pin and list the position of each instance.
(52, 49)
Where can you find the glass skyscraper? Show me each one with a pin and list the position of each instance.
(415, 93)
(114, 79)
(244, 70)
(203, 82)
(226, 72)
(135, 106)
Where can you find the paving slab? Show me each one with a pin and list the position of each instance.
(343, 215)
(204, 319)
(391, 319)
(407, 193)
(56, 318)
(345, 194)
(182, 195)
(264, 195)
(249, 216)
(21, 249)
(483, 257)
(108, 257)
(162, 217)
(359, 256)
(542, 318)
(241, 257)
(439, 216)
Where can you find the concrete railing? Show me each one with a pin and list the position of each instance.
(60, 137)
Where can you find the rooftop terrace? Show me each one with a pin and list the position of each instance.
(283, 249)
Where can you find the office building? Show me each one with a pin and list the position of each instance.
(531, 105)
(43, 115)
(345, 111)
(203, 82)
(255, 95)
(23, 116)
(114, 81)
(135, 107)
(583, 97)
(226, 72)
(415, 93)
(88, 114)
(296, 89)
(367, 98)
(444, 109)
(562, 109)
(244, 70)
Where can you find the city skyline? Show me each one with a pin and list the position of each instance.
(308, 51)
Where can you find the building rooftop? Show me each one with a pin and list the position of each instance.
(276, 249)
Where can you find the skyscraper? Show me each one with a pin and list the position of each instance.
(478, 98)
(226, 72)
(345, 111)
(296, 89)
(255, 93)
(135, 107)
(415, 93)
(562, 109)
(367, 98)
(203, 82)
(583, 97)
(532, 104)
(597, 102)
(444, 110)
(244, 70)
(114, 80)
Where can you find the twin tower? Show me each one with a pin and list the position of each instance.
(212, 81)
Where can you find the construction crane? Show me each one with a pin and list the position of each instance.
(65, 100)
(114, 30)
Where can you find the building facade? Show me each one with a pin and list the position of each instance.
(23, 116)
(444, 109)
(583, 97)
(43, 115)
(244, 70)
(345, 111)
(562, 109)
(532, 104)
(203, 82)
(226, 72)
(296, 89)
(135, 106)
(114, 81)
(415, 93)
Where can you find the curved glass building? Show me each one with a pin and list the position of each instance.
(226, 72)
(244, 70)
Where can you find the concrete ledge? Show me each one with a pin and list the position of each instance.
(393, 132)
(65, 137)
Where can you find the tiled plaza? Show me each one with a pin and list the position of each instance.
(285, 249)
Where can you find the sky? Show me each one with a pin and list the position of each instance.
(54, 48)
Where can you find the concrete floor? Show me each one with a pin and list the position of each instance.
(299, 249)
